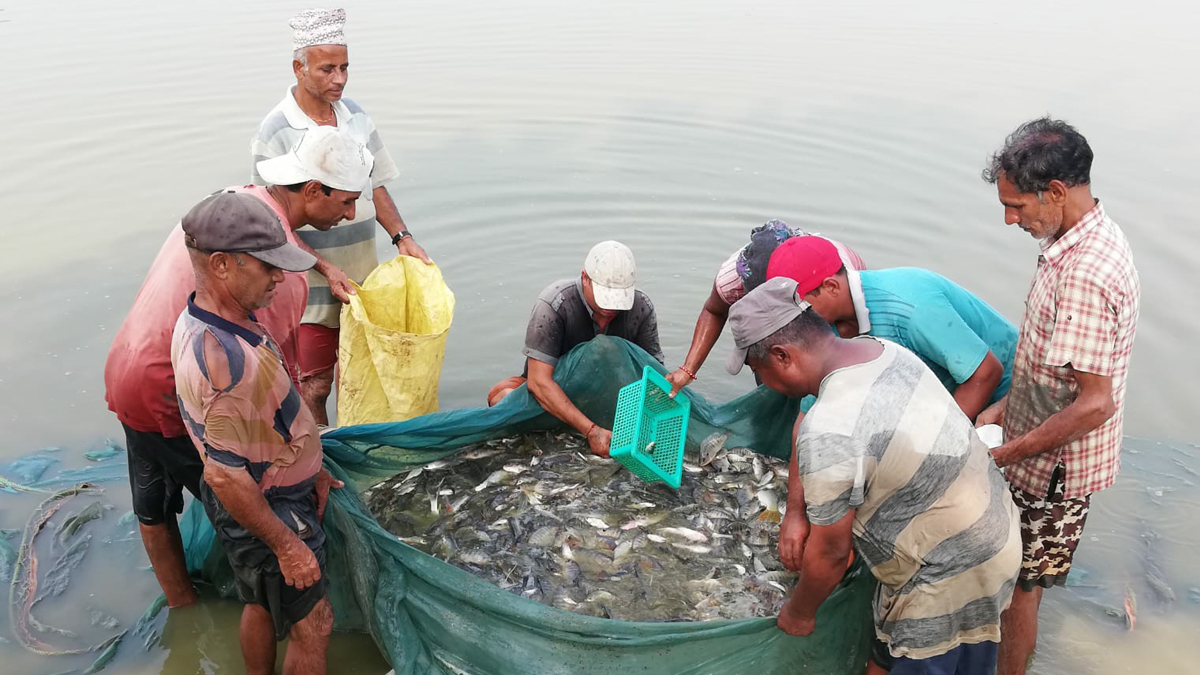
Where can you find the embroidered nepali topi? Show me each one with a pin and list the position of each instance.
(318, 27)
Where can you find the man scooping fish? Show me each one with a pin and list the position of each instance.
(569, 312)
(886, 464)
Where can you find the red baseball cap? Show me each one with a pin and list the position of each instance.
(807, 260)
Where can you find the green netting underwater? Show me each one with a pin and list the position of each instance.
(428, 616)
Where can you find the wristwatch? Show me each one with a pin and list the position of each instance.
(400, 235)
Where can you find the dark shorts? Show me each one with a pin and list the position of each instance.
(976, 659)
(255, 567)
(159, 470)
(1050, 531)
(316, 349)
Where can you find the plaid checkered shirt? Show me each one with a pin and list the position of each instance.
(1081, 311)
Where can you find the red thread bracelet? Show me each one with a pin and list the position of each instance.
(689, 373)
(590, 430)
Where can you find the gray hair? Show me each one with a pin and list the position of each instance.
(805, 330)
(1040, 151)
(301, 55)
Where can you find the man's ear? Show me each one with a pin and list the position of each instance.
(219, 264)
(781, 354)
(1057, 191)
(833, 285)
(312, 191)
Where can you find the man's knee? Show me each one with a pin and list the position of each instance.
(503, 388)
(497, 395)
(319, 384)
(317, 625)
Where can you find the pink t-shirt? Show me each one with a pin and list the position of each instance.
(138, 380)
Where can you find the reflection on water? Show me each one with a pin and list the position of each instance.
(526, 131)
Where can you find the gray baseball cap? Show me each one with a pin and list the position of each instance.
(236, 222)
(761, 313)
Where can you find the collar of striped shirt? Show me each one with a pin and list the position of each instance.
(298, 119)
(1090, 221)
(224, 324)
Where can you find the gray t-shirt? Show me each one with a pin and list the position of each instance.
(562, 320)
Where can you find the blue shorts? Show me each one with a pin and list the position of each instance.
(976, 659)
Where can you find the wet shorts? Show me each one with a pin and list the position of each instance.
(316, 349)
(159, 469)
(976, 659)
(255, 567)
(1050, 531)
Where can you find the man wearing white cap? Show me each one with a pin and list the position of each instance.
(601, 301)
(320, 64)
(138, 378)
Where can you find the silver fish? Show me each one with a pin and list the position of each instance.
(686, 533)
(540, 517)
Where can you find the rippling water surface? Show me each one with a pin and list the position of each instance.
(526, 131)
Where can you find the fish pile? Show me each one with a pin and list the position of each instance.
(542, 517)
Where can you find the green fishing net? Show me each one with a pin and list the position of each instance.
(428, 616)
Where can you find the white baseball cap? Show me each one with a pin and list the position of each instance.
(613, 272)
(327, 155)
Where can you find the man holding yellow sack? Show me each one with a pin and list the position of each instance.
(320, 63)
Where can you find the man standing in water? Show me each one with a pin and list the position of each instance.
(263, 487)
(316, 184)
(1063, 415)
(321, 65)
(891, 467)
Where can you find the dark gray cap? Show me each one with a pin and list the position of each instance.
(237, 222)
(761, 313)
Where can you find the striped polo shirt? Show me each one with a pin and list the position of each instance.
(349, 247)
(238, 403)
(933, 517)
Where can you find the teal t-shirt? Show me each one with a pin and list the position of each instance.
(944, 324)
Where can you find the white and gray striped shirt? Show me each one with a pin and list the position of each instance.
(349, 246)
(933, 517)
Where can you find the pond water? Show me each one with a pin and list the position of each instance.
(527, 131)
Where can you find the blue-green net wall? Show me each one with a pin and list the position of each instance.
(428, 616)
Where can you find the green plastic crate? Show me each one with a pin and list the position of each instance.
(647, 414)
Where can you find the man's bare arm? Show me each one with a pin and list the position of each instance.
(973, 395)
(241, 497)
(339, 284)
(389, 219)
(709, 325)
(825, 559)
(556, 402)
(1094, 406)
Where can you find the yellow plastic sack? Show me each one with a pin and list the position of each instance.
(392, 343)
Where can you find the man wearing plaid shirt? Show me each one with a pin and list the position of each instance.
(1063, 415)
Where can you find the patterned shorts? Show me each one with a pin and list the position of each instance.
(1050, 531)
